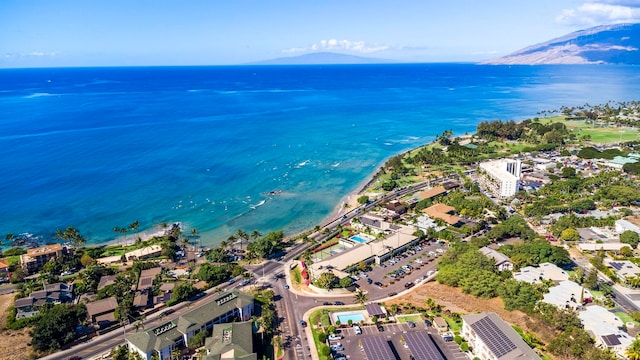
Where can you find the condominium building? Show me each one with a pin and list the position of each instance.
(176, 333)
(493, 339)
(35, 258)
(502, 176)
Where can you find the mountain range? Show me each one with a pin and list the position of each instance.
(606, 44)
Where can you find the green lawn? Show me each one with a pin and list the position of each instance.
(625, 317)
(407, 318)
(608, 135)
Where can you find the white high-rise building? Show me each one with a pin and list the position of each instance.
(502, 176)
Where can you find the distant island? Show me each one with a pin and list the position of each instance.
(605, 44)
(327, 58)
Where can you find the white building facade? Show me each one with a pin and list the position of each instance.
(502, 176)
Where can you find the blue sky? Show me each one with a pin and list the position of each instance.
(220, 32)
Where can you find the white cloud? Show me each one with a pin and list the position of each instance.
(27, 55)
(339, 45)
(602, 13)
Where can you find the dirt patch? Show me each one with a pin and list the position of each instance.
(13, 343)
(455, 300)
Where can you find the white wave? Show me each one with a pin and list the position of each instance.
(37, 95)
(336, 164)
(388, 143)
(304, 163)
(258, 204)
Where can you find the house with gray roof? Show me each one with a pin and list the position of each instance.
(58, 293)
(102, 312)
(232, 341)
(176, 333)
(493, 339)
(502, 261)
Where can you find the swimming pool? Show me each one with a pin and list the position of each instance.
(359, 239)
(355, 318)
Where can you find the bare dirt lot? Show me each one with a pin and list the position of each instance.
(455, 300)
(13, 343)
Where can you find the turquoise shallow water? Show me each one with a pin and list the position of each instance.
(101, 147)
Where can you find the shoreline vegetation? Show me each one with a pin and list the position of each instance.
(586, 122)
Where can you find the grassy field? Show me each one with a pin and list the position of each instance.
(407, 318)
(625, 317)
(599, 135)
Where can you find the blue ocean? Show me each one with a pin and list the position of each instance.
(96, 148)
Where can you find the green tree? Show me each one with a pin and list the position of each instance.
(326, 280)
(360, 297)
(72, 235)
(570, 235)
(345, 282)
(630, 237)
(363, 199)
(57, 327)
(633, 351)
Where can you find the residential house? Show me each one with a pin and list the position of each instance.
(143, 294)
(503, 263)
(606, 329)
(35, 258)
(102, 312)
(4, 267)
(58, 293)
(396, 206)
(373, 225)
(624, 269)
(231, 341)
(567, 295)
(630, 223)
(493, 339)
(106, 280)
(176, 333)
(431, 193)
(545, 271)
(144, 253)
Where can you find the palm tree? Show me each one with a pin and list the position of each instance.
(360, 297)
(633, 351)
(71, 234)
(240, 234)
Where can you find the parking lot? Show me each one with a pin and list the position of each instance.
(379, 281)
(393, 334)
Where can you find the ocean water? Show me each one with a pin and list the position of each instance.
(96, 148)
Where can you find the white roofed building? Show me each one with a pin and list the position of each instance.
(545, 271)
(567, 295)
(606, 329)
(502, 176)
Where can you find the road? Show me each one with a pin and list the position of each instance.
(290, 305)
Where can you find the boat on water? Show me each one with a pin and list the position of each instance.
(271, 193)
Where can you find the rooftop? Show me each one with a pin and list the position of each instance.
(499, 337)
(42, 250)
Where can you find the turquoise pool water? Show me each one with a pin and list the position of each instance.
(344, 319)
(359, 239)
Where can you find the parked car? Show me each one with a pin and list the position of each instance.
(286, 286)
(337, 347)
(339, 303)
(427, 322)
(447, 336)
(333, 337)
(231, 281)
(303, 323)
(377, 283)
(369, 281)
(326, 303)
(411, 324)
(392, 294)
(380, 328)
(339, 357)
(357, 329)
(409, 285)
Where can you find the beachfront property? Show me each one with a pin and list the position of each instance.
(35, 258)
(606, 329)
(144, 253)
(503, 263)
(567, 295)
(143, 294)
(231, 341)
(493, 339)
(502, 177)
(545, 271)
(176, 333)
(400, 237)
(58, 293)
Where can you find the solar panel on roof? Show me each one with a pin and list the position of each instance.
(377, 348)
(422, 346)
(496, 340)
(146, 281)
(611, 340)
(374, 310)
(616, 265)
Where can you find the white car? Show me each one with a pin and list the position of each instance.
(357, 330)
(333, 337)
